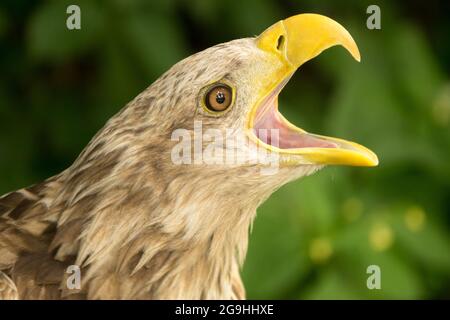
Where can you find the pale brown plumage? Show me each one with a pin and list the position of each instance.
(138, 225)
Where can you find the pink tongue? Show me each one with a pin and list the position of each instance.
(288, 138)
(303, 141)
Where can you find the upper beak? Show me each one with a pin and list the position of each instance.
(294, 41)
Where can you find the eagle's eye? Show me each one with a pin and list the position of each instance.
(219, 97)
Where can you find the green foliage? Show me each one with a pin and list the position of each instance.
(316, 237)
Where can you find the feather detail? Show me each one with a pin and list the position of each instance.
(8, 290)
(134, 224)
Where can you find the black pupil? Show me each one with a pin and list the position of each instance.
(220, 97)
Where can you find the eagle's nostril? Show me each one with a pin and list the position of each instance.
(280, 43)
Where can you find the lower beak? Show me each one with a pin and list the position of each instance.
(336, 152)
(293, 42)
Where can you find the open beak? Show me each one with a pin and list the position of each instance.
(292, 42)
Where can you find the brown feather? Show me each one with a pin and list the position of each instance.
(137, 225)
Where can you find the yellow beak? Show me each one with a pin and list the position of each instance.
(294, 41)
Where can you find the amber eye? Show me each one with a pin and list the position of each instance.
(219, 98)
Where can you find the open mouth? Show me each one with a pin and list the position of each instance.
(271, 130)
(290, 43)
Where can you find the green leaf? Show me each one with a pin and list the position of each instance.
(49, 39)
(156, 40)
(330, 285)
(275, 262)
(414, 65)
(354, 252)
(428, 246)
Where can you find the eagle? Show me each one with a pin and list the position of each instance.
(151, 209)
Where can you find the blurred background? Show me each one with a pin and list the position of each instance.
(315, 237)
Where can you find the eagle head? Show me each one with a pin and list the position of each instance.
(214, 116)
(160, 202)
